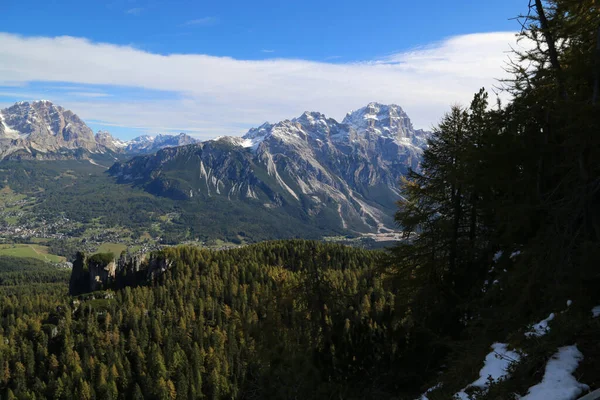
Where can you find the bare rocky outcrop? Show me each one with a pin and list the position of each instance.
(105, 271)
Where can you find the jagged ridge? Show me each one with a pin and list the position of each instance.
(312, 165)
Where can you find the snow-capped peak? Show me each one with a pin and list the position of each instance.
(386, 120)
(106, 139)
(311, 118)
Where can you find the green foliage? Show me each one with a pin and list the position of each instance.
(273, 320)
(16, 271)
(516, 178)
(299, 319)
(83, 193)
(101, 258)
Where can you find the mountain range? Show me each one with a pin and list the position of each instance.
(341, 177)
(43, 130)
(344, 175)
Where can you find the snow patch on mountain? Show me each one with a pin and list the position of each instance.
(558, 381)
(541, 328)
(8, 131)
(496, 367)
(386, 120)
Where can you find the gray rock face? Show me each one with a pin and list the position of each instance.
(43, 127)
(90, 274)
(348, 171)
(107, 141)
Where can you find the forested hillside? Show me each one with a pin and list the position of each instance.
(499, 266)
(275, 320)
(504, 220)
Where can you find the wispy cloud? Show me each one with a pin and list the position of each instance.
(267, 51)
(134, 11)
(222, 95)
(206, 21)
(88, 94)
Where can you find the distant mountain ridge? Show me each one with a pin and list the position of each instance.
(338, 177)
(43, 130)
(344, 176)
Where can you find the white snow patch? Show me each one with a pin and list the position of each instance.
(431, 389)
(569, 302)
(558, 382)
(497, 255)
(253, 142)
(515, 253)
(10, 132)
(95, 163)
(541, 328)
(119, 143)
(495, 367)
(596, 312)
(339, 209)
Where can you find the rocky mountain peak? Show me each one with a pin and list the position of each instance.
(367, 123)
(386, 120)
(180, 139)
(42, 130)
(103, 136)
(43, 127)
(107, 140)
(311, 118)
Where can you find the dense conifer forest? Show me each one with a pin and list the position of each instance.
(501, 226)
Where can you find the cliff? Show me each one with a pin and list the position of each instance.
(106, 271)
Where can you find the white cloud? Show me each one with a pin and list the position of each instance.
(88, 94)
(206, 21)
(134, 11)
(210, 95)
(267, 51)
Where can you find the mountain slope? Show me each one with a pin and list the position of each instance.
(341, 175)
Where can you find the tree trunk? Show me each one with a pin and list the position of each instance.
(596, 88)
(552, 52)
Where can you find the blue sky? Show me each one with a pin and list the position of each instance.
(212, 68)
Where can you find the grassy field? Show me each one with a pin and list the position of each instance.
(37, 240)
(29, 251)
(115, 248)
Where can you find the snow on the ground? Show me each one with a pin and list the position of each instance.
(495, 366)
(95, 163)
(569, 302)
(541, 328)
(497, 255)
(596, 312)
(431, 389)
(515, 253)
(558, 382)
